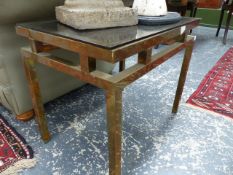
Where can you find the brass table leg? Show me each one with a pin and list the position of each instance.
(114, 115)
(29, 66)
(183, 74)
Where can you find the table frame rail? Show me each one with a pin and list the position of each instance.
(113, 84)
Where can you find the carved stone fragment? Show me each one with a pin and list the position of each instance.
(93, 14)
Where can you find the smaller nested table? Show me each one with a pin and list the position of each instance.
(111, 45)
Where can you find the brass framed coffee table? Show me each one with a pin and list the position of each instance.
(110, 45)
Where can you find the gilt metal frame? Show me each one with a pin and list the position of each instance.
(42, 43)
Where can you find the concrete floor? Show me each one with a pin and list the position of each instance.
(154, 141)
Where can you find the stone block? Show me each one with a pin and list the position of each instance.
(95, 14)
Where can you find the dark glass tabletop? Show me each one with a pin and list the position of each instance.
(106, 38)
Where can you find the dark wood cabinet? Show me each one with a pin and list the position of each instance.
(210, 3)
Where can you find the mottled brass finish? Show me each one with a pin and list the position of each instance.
(114, 85)
(184, 70)
(145, 56)
(29, 65)
(114, 115)
(88, 64)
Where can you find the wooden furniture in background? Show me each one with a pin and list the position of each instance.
(192, 6)
(215, 4)
(182, 6)
(226, 6)
(110, 45)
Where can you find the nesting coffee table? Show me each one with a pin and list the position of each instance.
(110, 45)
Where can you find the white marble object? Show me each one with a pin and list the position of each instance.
(150, 7)
(93, 14)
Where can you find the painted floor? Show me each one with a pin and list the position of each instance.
(155, 142)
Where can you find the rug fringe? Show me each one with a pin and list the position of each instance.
(19, 166)
(209, 112)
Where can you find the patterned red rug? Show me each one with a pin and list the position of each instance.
(215, 93)
(15, 154)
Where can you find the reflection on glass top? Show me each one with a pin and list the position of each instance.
(106, 38)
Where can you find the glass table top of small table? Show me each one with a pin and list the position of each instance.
(106, 38)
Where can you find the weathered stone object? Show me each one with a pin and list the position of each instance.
(151, 7)
(94, 14)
